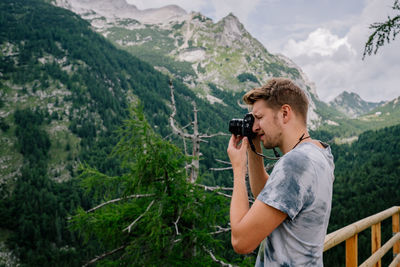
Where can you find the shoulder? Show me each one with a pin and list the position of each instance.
(297, 159)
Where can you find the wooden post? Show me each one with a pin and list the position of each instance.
(395, 229)
(376, 240)
(352, 251)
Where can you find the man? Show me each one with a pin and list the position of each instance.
(291, 212)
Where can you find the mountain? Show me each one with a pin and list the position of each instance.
(204, 55)
(352, 105)
(385, 114)
(64, 92)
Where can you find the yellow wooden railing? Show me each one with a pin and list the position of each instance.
(350, 235)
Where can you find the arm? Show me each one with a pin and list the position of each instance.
(257, 174)
(249, 226)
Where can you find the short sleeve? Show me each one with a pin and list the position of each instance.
(289, 187)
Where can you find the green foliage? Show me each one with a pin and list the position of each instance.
(36, 210)
(158, 58)
(4, 126)
(172, 221)
(244, 77)
(276, 69)
(201, 18)
(366, 182)
(33, 141)
(178, 26)
(383, 32)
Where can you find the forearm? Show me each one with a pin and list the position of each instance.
(240, 201)
(257, 174)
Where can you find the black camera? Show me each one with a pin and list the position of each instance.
(243, 126)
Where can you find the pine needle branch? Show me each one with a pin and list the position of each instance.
(138, 218)
(117, 200)
(102, 256)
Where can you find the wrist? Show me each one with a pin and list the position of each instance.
(239, 172)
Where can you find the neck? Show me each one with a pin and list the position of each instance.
(293, 139)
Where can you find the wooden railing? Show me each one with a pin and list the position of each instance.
(350, 235)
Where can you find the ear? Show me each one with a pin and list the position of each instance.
(287, 113)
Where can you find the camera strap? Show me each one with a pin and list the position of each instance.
(301, 139)
(277, 156)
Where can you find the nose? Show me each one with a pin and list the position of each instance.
(256, 126)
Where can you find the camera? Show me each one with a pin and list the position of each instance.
(243, 126)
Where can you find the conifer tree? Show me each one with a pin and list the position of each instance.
(151, 214)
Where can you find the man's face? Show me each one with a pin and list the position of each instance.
(266, 124)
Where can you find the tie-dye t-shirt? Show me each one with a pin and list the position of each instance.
(300, 185)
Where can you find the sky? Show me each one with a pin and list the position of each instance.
(325, 38)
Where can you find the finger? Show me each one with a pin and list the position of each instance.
(245, 143)
(236, 140)
(232, 142)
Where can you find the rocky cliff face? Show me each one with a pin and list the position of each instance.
(190, 46)
(352, 105)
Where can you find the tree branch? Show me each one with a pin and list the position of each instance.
(220, 230)
(184, 127)
(138, 218)
(383, 31)
(217, 260)
(216, 188)
(176, 224)
(102, 256)
(118, 199)
(213, 188)
(224, 162)
(175, 129)
(220, 169)
(213, 135)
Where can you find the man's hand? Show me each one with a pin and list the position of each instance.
(237, 152)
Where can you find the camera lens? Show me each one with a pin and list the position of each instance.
(236, 126)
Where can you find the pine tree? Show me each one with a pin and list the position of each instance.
(151, 214)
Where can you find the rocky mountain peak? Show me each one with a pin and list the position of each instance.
(120, 9)
(232, 26)
(203, 54)
(352, 104)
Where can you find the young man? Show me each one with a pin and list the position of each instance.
(291, 212)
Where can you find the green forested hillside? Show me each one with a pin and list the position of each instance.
(65, 90)
(367, 181)
(52, 59)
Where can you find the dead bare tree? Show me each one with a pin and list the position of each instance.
(195, 137)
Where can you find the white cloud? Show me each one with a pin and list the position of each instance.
(335, 62)
(319, 42)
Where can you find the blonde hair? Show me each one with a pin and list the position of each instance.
(278, 92)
